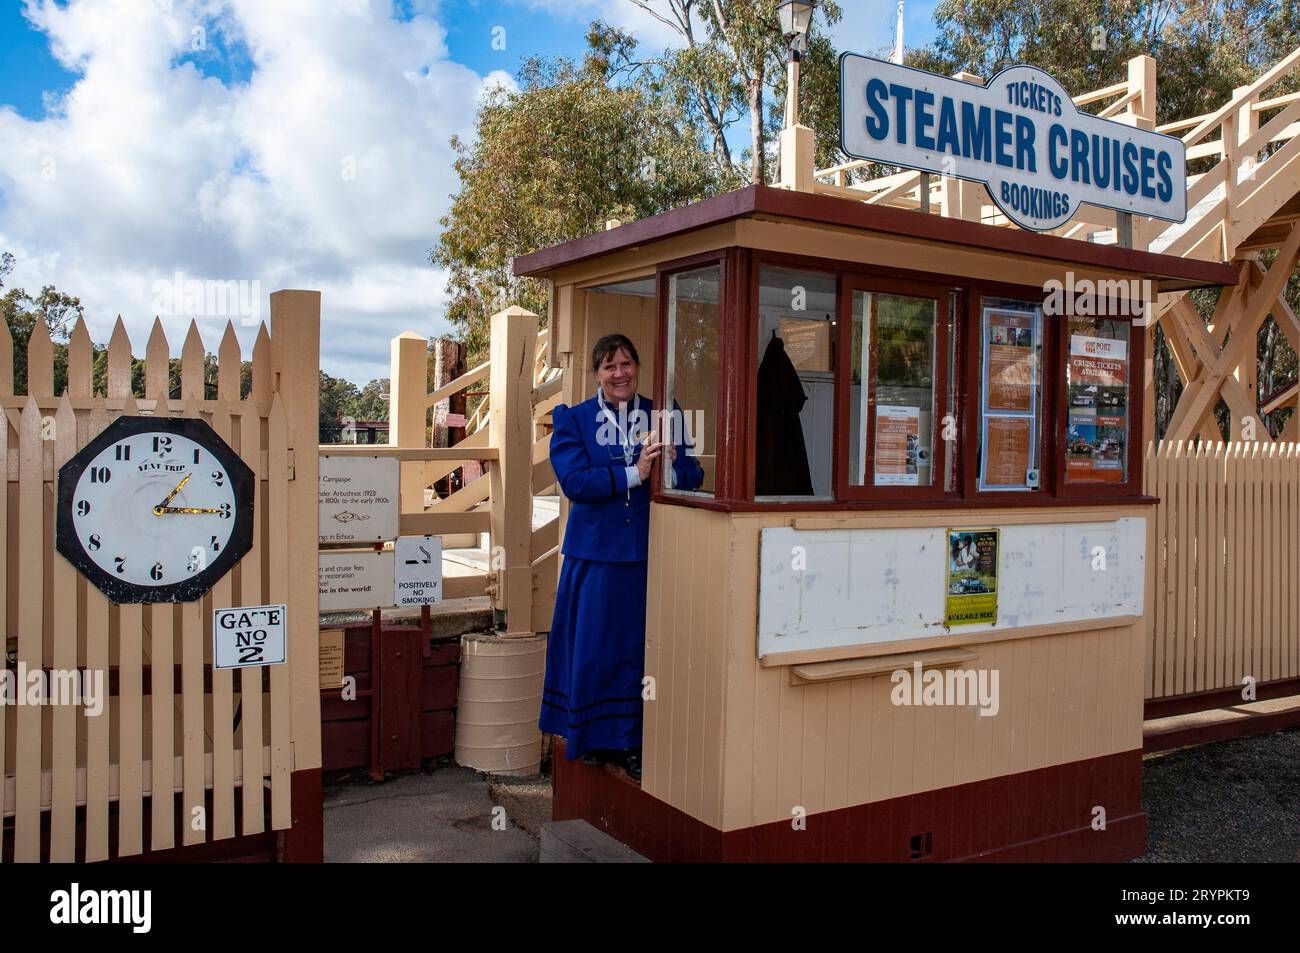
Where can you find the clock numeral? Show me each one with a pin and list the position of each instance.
(121, 563)
(162, 444)
(216, 546)
(198, 560)
(218, 477)
(156, 573)
(196, 455)
(100, 474)
(123, 451)
(94, 542)
(225, 511)
(83, 507)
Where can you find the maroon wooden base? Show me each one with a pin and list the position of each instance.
(1217, 698)
(417, 701)
(1040, 815)
(304, 842)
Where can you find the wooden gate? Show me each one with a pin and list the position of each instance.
(181, 754)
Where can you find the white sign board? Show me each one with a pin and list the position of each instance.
(1021, 135)
(359, 500)
(866, 585)
(248, 636)
(355, 581)
(417, 570)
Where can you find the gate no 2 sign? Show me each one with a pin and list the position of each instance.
(248, 636)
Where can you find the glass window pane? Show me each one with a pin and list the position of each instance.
(692, 368)
(1096, 382)
(795, 416)
(1011, 394)
(891, 414)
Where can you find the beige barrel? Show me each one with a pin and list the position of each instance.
(499, 703)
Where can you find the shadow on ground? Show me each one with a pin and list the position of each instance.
(442, 814)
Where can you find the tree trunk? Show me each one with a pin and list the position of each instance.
(758, 167)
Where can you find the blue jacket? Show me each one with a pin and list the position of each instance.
(607, 521)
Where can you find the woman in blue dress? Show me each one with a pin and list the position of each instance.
(603, 455)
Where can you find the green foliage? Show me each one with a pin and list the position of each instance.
(341, 399)
(56, 310)
(577, 145)
(733, 57)
(1204, 49)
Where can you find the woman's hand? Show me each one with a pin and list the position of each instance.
(645, 462)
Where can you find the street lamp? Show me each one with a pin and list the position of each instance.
(795, 17)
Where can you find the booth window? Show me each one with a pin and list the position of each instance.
(1010, 395)
(691, 368)
(1098, 414)
(795, 394)
(898, 382)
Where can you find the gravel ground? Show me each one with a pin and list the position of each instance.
(1228, 801)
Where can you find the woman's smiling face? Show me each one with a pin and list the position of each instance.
(617, 376)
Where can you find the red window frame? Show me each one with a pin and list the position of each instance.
(1132, 484)
(735, 430)
(880, 284)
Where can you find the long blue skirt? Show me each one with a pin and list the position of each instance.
(595, 657)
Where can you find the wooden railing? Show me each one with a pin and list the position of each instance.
(508, 437)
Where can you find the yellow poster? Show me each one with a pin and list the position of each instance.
(972, 595)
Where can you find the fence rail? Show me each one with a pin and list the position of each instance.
(1226, 599)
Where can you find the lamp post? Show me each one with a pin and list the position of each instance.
(796, 18)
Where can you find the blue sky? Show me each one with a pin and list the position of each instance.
(300, 143)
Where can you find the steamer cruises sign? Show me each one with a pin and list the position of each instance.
(1021, 136)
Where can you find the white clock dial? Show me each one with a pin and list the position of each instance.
(154, 509)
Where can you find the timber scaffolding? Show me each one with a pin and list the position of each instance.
(1225, 603)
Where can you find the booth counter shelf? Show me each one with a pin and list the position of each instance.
(903, 617)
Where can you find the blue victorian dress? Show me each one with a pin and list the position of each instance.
(595, 657)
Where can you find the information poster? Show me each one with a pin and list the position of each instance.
(359, 580)
(1097, 432)
(972, 596)
(807, 342)
(898, 445)
(358, 498)
(1011, 360)
(1007, 443)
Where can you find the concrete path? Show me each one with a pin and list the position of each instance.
(444, 815)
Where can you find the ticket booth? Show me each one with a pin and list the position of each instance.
(903, 617)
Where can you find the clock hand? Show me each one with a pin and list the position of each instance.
(162, 510)
(158, 510)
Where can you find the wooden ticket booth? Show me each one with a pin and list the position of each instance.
(927, 643)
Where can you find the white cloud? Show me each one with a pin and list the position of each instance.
(328, 168)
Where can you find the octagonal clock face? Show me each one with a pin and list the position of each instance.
(155, 509)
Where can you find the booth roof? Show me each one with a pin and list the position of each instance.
(1171, 272)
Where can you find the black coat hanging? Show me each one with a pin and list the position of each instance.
(781, 468)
